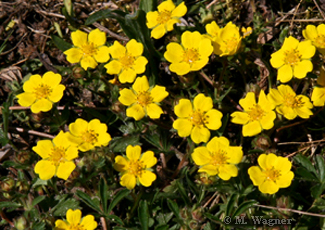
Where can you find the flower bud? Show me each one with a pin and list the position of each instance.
(7, 184)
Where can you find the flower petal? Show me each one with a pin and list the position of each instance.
(202, 103)
(51, 79)
(43, 148)
(148, 158)
(113, 67)
(318, 96)
(127, 97)
(201, 156)
(65, 169)
(213, 119)
(127, 75)
(158, 32)
(256, 175)
(181, 68)
(136, 111)
(174, 52)
(79, 38)
(121, 164)
(45, 169)
(26, 99)
(133, 152)
(277, 59)
(152, 19)
(33, 82)
(141, 84)
(102, 54)
(211, 170)
(251, 129)
(269, 187)
(71, 153)
(134, 48)
(191, 40)
(306, 49)
(117, 50)
(310, 32)
(168, 6)
(240, 118)
(146, 178)
(60, 224)
(74, 55)
(248, 101)
(183, 127)
(43, 105)
(285, 180)
(88, 61)
(158, 93)
(154, 111)
(285, 73)
(200, 134)
(235, 154)
(73, 217)
(57, 93)
(78, 127)
(179, 11)
(88, 222)
(205, 48)
(97, 37)
(227, 171)
(140, 65)
(302, 68)
(184, 108)
(128, 180)
(267, 121)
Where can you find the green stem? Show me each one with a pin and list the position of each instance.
(136, 201)
(219, 85)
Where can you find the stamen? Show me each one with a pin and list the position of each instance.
(42, 91)
(127, 61)
(144, 98)
(256, 113)
(164, 17)
(89, 136)
(292, 57)
(191, 55)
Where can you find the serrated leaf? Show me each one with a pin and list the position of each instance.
(117, 198)
(88, 201)
(305, 174)
(305, 162)
(60, 43)
(143, 214)
(119, 144)
(115, 219)
(321, 168)
(317, 190)
(243, 207)
(63, 206)
(103, 188)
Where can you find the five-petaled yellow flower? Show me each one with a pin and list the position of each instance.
(198, 120)
(256, 116)
(164, 19)
(41, 92)
(127, 62)
(316, 35)
(142, 99)
(57, 157)
(74, 221)
(192, 55)
(136, 168)
(89, 48)
(289, 104)
(226, 41)
(273, 173)
(318, 95)
(88, 135)
(293, 59)
(218, 158)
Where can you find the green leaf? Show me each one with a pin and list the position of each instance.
(143, 214)
(37, 200)
(60, 43)
(115, 219)
(174, 207)
(117, 198)
(148, 5)
(3, 138)
(182, 192)
(8, 204)
(87, 200)
(162, 227)
(103, 189)
(321, 168)
(38, 226)
(243, 207)
(119, 144)
(213, 218)
(317, 190)
(305, 174)
(231, 203)
(305, 162)
(62, 207)
(102, 14)
(39, 182)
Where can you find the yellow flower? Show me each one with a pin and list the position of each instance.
(88, 135)
(218, 158)
(135, 168)
(89, 49)
(226, 41)
(246, 31)
(256, 116)
(198, 120)
(273, 173)
(143, 100)
(316, 35)
(192, 55)
(288, 104)
(318, 95)
(293, 59)
(41, 92)
(57, 157)
(74, 221)
(164, 19)
(127, 62)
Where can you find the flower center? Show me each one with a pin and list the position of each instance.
(292, 101)
(256, 113)
(136, 167)
(198, 118)
(144, 98)
(89, 136)
(57, 155)
(89, 49)
(76, 227)
(42, 91)
(320, 41)
(231, 44)
(127, 61)
(219, 158)
(191, 55)
(272, 174)
(164, 17)
(292, 57)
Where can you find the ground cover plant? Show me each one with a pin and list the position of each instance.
(198, 114)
